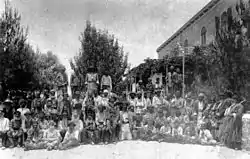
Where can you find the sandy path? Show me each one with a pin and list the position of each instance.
(130, 150)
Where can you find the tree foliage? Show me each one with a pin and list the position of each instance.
(224, 64)
(50, 72)
(20, 66)
(101, 50)
(16, 64)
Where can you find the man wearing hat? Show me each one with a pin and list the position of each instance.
(158, 100)
(104, 100)
(34, 103)
(140, 103)
(200, 105)
(125, 124)
(52, 136)
(8, 108)
(63, 124)
(92, 80)
(106, 82)
(77, 99)
(15, 134)
(147, 100)
(65, 105)
(132, 99)
(23, 107)
(72, 137)
(4, 127)
(27, 122)
(101, 123)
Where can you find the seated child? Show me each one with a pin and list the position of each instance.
(101, 123)
(172, 118)
(175, 125)
(52, 136)
(166, 128)
(15, 134)
(180, 129)
(34, 139)
(72, 137)
(205, 135)
(90, 130)
(115, 126)
(108, 131)
(159, 121)
(137, 126)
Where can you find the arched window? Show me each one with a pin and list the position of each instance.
(224, 20)
(203, 36)
(186, 46)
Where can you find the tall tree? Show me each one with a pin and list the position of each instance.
(49, 71)
(102, 50)
(16, 55)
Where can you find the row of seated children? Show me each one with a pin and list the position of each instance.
(160, 124)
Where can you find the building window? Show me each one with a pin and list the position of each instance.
(203, 36)
(224, 21)
(186, 46)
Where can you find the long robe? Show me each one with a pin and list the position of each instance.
(231, 129)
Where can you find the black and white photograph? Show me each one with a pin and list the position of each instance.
(125, 79)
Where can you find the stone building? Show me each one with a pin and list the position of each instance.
(201, 28)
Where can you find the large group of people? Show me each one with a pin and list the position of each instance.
(51, 119)
(44, 121)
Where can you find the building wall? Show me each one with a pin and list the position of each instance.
(193, 32)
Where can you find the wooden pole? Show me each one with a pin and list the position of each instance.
(167, 79)
(183, 74)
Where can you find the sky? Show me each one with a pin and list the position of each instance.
(141, 26)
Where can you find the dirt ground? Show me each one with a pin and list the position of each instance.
(130, 150)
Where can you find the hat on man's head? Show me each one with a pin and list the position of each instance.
(35, 122)
(157, 90)
(77, 92)
(27, 113)
(7, 101)
(78, 106)
(22, 101)
(105, 91)
(132, 93)
(71, 123)
(51, 122)
(139, 92)
(17, 113)
(201, 95)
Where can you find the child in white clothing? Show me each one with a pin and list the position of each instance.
(166, 128)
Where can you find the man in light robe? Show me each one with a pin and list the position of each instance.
(158, 100)
(106, 82)
(92, 81)
(200, 105)
(4, 127)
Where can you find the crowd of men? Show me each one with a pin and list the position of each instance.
(42, 120)
(51, 119)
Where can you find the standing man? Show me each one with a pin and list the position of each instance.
(200, 105)
(170, 79)
(178, 102)
(92, 81)
(65, 106)
(158, 100)
(106, 82)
